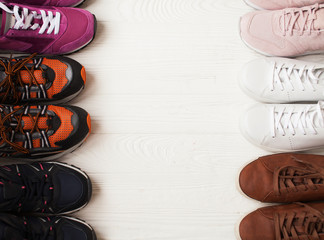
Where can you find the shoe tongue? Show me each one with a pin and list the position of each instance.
(28, 123)
(7, 22)
(56, 191)
(47, 192)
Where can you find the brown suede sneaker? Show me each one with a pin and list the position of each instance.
(284, 178)
(287, 222)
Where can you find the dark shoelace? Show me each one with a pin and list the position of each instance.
(34, 189)
(9, 85)
(292, 178)
(32, 230)
(308, 224)
(10, 124)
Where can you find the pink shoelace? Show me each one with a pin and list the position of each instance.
(300, 20)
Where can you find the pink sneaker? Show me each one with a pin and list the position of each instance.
(280, 4)
(287, 32)
(45, 30)
(57, 3)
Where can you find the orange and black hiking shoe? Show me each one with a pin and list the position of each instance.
(40, 80)
(42, 132)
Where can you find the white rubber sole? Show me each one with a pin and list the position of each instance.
(83, 46)
(253, 5)
(79, 3)
(237, 183)
(237, 228)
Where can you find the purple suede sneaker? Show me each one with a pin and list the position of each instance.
(45, 30)
(56, 3)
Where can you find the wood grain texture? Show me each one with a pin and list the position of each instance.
(165, 104)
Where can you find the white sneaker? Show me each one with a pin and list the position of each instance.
(282, 80)
(285, 127)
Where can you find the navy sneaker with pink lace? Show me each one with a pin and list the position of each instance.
(44, 228)
(45, 188)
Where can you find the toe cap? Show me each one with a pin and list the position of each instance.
(72, 229)
(81, 27)
(76, 77)
(255, 79)
(73, 188)
(256, 226)
(81, 125)
(255, 124)
(256, 181)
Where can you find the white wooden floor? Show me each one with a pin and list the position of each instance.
(163, 95)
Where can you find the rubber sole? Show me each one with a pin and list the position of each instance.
(94, 237)
(252, 5)
(78, 4)
(51, 155)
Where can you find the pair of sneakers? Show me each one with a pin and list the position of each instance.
(31, 127)
(284, 178)
(284, 127)
(34, 196)
(44, 26)
(293, 31)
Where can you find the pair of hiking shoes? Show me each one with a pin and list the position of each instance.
(284, 178)
(31, 127)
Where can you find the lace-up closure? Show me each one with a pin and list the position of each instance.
(35, 190)
(44, 228)
(11, 124)
(32, 230)
(306, 224)
(287, 119)
(294, 179)
(301, 20)
(26, 20)
(285, 76)
(9, 92)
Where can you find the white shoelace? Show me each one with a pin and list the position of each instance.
(306, 17)
(303, 77)
(24, 21)
(287, 119)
